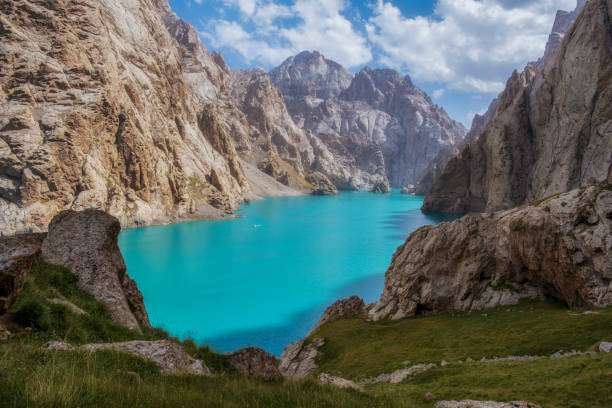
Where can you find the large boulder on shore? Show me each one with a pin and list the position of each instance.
(86, 243)
(255, 362)
(560, 247)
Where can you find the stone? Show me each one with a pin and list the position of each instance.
(339, 382)
(68, 305)
(255, 362)
(485, 404)
(410, 189)
(299, 359)
(17, 254)
(85, 242)
(400, 375)
(486, 260)
(342, 309)
(551, 131)
(166, 354)
(605, 347)
(321, 184)
(381, 187)
(5, 334)
(58, 346)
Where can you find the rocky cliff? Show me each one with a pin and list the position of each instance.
(115, 104)
(560, 248)
(551, 130)
(374, 128)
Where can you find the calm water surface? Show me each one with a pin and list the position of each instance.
(265, 278)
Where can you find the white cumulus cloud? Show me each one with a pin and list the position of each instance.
(469, 45)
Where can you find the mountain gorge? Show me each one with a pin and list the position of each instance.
(550, 130)
(117, 105)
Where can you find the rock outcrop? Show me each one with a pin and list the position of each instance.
(485, 404)
(342, 309)
(321, 184)
(255, 362)
(339, 382)
(85, 242)
(560, 247)
(365, 131)
(551, 130)
(17, 253)
(299, 359)
(166, 354)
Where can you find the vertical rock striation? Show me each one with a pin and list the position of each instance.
(551, 130)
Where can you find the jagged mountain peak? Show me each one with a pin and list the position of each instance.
(309, 73)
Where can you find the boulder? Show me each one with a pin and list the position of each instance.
(485, 404)
(605, 347)
(560, 247)
(17, 253)
(339, 382)
(322, 185)
(255, 362)
(342, 309)
(381, 187)
(410, 189)
(299, 359)
(85, 242)
(169, 356)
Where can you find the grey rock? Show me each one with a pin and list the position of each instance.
(166, 354)
(322, 185)
(605, 347)
(299, 359)
(5, 334)
(68, 305)
(486, 260)
(400, 375)
(339, 382)
(410, 189)
(17, 253)
(85, 242)
(551, 131)
(342, 309)
(485, 404)
(381, 187)
(255, 362)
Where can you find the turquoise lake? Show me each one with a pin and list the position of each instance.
(265, 278)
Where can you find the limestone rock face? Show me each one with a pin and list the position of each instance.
(551, 130)
(86, 243)
(560, 248)
(17, 253)
(255, 362)
(374, 128)
(299, 359)
(112, 104)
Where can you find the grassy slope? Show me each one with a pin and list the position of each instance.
(354, 348)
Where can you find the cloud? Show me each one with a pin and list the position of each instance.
(269, 32)
(438, 93)
(470, 45)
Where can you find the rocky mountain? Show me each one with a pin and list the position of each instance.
(550, 131)
(377, 126)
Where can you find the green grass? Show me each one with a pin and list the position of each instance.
(576, 382)
(357, 348)
(36, 378)
(32, 377)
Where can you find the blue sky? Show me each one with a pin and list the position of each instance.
(459, 51)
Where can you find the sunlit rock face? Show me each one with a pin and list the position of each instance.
(369, 129)
(551, 130)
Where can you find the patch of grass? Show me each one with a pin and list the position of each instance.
(575, 382)
(55, 321)
(31, 377)
(357, 348)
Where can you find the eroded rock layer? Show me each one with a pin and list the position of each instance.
(561, 248)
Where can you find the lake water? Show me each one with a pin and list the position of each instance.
(265, 278)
